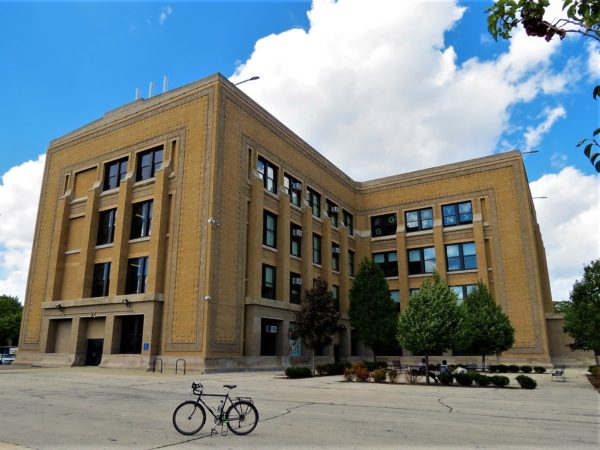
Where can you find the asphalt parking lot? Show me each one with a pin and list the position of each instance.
(97, 408)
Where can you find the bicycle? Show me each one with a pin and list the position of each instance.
(240, 417)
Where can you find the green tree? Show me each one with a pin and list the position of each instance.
(582, 17)
(431, 321)
(372, 311)
(485, 330)
(582, 316)
(317, 319)
(10, 320)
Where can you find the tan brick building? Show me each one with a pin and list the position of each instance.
(185, 226)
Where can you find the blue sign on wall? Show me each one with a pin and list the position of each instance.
(146, 346)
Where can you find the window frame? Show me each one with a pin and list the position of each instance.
(461, 257)
(145, 223)
(267, 290)
(104, 282)
(295, 241)
(348, 219)
(422, 269)
(314, 201)
(419, 220)
(295, 194)
(107, 185)
(335, 294)
(137, 275)
(316, 249)
(268, 174)
(295, 289)
(388, 227)
(155, 164)
(268, 232)
(387, 264)
(457, 215)
(107, 229)
(465, 290)
(392, 297)
(335, 257)
(351, 266)
(333, 215)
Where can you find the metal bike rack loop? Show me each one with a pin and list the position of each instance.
(154, 364)
(177, 365)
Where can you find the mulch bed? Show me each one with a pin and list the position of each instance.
(594, 382)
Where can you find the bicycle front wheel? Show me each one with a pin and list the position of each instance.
(241, 417)
(189, 417)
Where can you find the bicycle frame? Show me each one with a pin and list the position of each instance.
(226, 398)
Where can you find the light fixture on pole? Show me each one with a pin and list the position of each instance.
(249, 79)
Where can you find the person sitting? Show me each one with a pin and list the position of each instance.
(423, 371)
(444, 367)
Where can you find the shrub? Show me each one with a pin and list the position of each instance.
(464, 379)
(513, 368)
(298, 372)
(526, 369)
(373, 366)
(362, 373)
(502, 368)
(321, 369)
(539, 369)
(349, 374)
(446, 378)
(336, 368)
(494, 368)
(392, 375)
(595, 371)
(379, 375)
(526, 382)
(412, 376)
(500, 381)
(481, 379)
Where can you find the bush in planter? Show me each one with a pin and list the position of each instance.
(321, 369)
(373, 366)
(493, 368)
(298, 372)
(392, 375)
(526, 369)
(464, 379)
(502, 368)
(526, 382)
(337, 368)
(446, 378)
(595, 371)
(362, 373)
(513, 368)
(379, 375)
(500, 381)
(349, 374)
(539, 369)
(481, 379)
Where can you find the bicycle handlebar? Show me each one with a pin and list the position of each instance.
(197, 388)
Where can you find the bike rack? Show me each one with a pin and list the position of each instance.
(177, 365)
(154, 364)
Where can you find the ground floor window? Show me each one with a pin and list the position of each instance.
(132, 328)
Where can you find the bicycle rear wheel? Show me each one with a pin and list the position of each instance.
(189, 417)
(241, 417)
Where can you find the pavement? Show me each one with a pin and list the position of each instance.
(94, 408)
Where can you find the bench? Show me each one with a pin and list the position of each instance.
(558, 374)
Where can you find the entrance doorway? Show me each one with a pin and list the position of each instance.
(93, 354)
(268, 337)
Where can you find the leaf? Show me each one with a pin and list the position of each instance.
(581, 142)
(593, 157)
(596, 92)
(597, 166)
(596, 131)
(588, 150)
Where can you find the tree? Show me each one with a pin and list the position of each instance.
(582, 316)
(317, 319)
(582, 17)
(485, 330)
(10, 319)
(372, 311)
(431, 321)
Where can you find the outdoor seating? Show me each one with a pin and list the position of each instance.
(558, 374)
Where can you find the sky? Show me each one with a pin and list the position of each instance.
(417, 83)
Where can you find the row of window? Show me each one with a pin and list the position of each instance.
(270, 240)
(148, 162)
(460, 256)
(422, 219)
(141, 223)
(137, 273)
(293, 187)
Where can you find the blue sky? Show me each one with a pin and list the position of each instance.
(418, 83)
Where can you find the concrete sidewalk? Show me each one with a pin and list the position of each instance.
(100, 408)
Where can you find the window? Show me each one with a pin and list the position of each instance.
(114, 173)
(395, 295)
(132, 328)
(141, 221)
(314, 200)
(316, 249)
(295, 288)
(421, 260)
(463, 291)
(349, 222)
(420, 219)
(106, 227)
(457, 214)
(101, 281)
(350, 263)
(137, 272)
(269, 229)
(388, 261)
(413, 291)
(268, 173)
(383, 225)
(268, 282)
(294, 189)
(461, 256)
(335, 257)
(296, 240)
(148, 163)
(335, 293)
(332, 211)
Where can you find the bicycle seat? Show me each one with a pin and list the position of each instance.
(230, 386)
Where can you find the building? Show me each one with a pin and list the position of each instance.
(185, 226)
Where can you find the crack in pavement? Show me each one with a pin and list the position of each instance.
(443, 404)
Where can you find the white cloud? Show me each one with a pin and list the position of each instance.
(164, 14)
(533, 135)
(569, 219)
(558, 160)
(19, 194)
(374, 77)
(593, 64)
